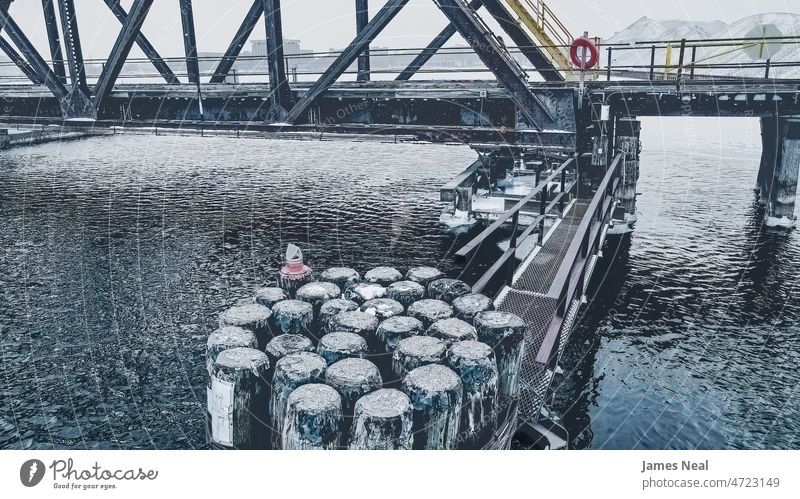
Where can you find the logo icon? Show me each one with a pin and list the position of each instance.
(31, 472)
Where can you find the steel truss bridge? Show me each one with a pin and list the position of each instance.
(530, 117)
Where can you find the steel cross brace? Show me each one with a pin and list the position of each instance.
(54, 39)
(122, 47)
(347, 57)
(247, 26)
(144, 44)
(498, 60)
(189, 41)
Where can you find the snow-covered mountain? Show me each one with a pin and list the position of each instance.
(646, 29)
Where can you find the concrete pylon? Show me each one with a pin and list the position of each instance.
(629, 145)
(780, 163)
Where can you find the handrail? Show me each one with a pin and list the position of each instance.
(567, 281)
(480, 238)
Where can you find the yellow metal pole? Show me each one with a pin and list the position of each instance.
(668, 61)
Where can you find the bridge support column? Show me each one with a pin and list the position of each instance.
(780, 165)
(627, 132)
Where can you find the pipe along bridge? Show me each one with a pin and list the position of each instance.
(558, 159)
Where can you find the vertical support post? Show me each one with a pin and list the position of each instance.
(280, 93)
(72, 43)
(652, 61)
(608, 65)
(627, 134)
(54, 39)
(513, 243)
(679, 76)
(780, 207)
(362, 19)
(543, 195)
(766, 68)
(190, 41)
(694, 58)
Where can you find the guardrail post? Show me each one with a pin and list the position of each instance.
(691, 69)
(766, 68)
(542, 210)
(563, 189)
(608, 65)
(679, 75)
(652, 61)
(513, 243)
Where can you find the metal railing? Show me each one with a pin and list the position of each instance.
(551, 197)
(570, 279)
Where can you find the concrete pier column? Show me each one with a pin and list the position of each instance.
(343, 277)
(430, 311)
(332, 308)
(475, 364)
(292, 317)
(382, 421)
(253, 317)
(238, 404)
(358, 322)
(394, 329)
(781, 186)
(285, 344)
(424, 275)
(405, 292)
(364, 291)
(436, 394)
(467, 306)
(383, 275)
(447, 290)
(316, 293)
(334, 347)
(452, 330)
(313, 418)
(628, 144)
(383, 308)
(269, 296)
(291, 372)
(352, 378)
(505, 333)
(415, 352)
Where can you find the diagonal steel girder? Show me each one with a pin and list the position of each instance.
(280, 94)
(498, 60)
(72, 43)
(189, 41)
(428, 52)
(347, 57)
(521, 39)
(158, 62)
(122, 47)
(54, 39)
(21, 63)
(247, 27)
(37, 63)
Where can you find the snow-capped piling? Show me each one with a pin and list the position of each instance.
(269, 296)
(424, 275)
(452, 330)
(313, 418)
(405, 292)
(415, 352)
(382, 420)
(436, 396)
(334, 347)
(356, 321)
(352, 378)
(332, 308)
(292, 317)
(343, 277)
(465, 307)
(291, 372)
(253, 317)
(285, 344)
(383, 275)
(447, 290)
(238, 399)
(430, 311)
(394, 329)
(475, 364)
(505, 333)
(364, 291)
(316, 293)
(294, 272)
(220, 340)
(382, 308)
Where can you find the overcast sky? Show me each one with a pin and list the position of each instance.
(323, 24)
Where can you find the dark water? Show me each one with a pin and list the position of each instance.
(118, 253)
(693, 341)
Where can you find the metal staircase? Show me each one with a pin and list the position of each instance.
(545, 26)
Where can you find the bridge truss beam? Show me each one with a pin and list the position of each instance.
(189, 41)
(54, 39)
(122, 48)
(158, 62)
(279, 92)
(239, 39)
(347, 57)
(362, 19)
